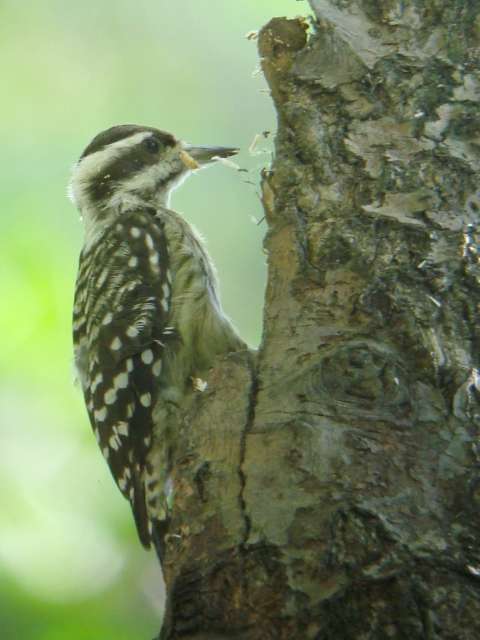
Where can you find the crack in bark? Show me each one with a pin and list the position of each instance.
(252, 402)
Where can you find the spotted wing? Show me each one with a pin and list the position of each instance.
(123, 293)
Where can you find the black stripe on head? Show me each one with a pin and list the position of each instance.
(119, 132)
(129, 161)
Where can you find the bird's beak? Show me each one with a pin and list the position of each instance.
(204, 155)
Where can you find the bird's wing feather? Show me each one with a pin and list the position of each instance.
(126, 302)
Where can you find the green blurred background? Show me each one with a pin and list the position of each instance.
(70, 564)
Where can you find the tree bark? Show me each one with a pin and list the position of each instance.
(328, 489)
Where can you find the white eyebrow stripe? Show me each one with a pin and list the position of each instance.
(91, 165)
(123, 143)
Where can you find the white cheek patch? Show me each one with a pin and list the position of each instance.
(89, 167)
(149, 178)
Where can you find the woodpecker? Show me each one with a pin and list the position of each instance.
(147, 318)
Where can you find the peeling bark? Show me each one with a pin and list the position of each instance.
(329, 489)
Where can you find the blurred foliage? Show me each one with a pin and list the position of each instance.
(70, 564)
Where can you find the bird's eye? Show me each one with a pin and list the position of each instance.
(152, 145)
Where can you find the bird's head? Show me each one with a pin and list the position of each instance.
(130, 164)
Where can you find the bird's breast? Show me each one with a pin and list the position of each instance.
(196, 313)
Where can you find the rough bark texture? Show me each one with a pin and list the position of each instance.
(330, 489)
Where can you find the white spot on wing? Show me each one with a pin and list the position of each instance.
(107, 318)
(132, 331)
(147, 356)
(100, 414)
(157, 368)
(135, 232)
(122, 428)
(96, 381)
(149, 241)
(116, 344)
(110, 396)
(121, 381)
(133, 261)
(146, 399)
(129, 365)
(115, 442)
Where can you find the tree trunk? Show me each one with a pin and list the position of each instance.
(329, 488)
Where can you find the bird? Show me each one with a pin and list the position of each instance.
(147, 317)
